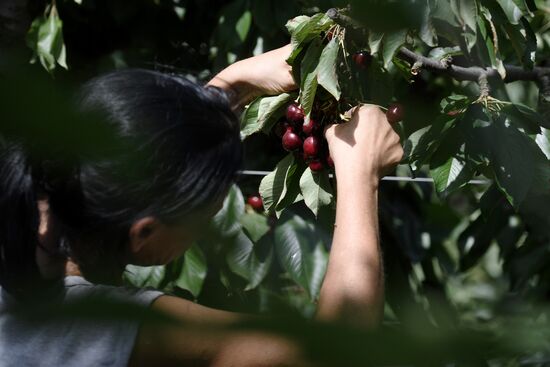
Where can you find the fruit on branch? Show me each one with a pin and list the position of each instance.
(291, 140)
(281, 127)
(362, 59)
(311, 147)
(395, 113)
(316, 166)
(310, 127)
(453, 113)
(295, 114)
(256, 202)
(330, 34)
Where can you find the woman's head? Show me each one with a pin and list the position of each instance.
(171, 155)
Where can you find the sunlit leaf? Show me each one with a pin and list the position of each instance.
(193, 272)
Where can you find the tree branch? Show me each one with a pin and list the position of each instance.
(473, 73)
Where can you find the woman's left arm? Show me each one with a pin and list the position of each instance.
(265, 74)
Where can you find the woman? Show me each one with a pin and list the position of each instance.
(143, 198)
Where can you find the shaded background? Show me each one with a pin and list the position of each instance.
(464, 261)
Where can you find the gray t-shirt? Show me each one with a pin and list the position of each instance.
(72, 341)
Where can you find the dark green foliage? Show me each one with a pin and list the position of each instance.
(456, 255)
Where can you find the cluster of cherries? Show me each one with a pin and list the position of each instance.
(304, 138)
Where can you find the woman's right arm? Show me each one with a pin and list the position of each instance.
(363, 150)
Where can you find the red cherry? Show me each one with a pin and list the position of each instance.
(316, 166)
(330, 34)
(309, 127)
(291, 141)
(395, 113)
(295, 113)
(453, 113)
(362, 59)
(256, 202)
(281, 128)
(330, 162)
(311, 147)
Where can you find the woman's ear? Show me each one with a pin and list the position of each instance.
(141, 233)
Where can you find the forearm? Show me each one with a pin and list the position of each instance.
(353, 289)
(265, 74)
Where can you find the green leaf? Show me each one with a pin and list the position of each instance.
(466, 12)
(512, 11)
(299, 21)
(392, 43)
(443, 52)
(375, 41)
(427, 31)
(255, 225)
(316, 190)
(525, 117)
(450, 165)
(309, 73)
(451, 175)
(45, 38)
(193, 272)
(514, 156)
(543, 141)
(249, 119)
(274, 186)
(455, 102)
(442, 11)
(248, 260)
(327, 76)
(292, 194)
(422, 144)
(301, 253)
(243, 25)
(271, 109)
(489, 38)
(304, 29)
(226, 222)
(263, 113)
(145, 276)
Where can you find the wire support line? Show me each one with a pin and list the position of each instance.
(387, 178)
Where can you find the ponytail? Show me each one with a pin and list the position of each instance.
(19, 220)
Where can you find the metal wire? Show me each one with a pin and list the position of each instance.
(387, 178)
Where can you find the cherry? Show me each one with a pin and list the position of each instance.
(453, 113)
(395, 113)
(281, 128)
(256, 202)
(316, 166)
(295, 113)
(330, 162)
(309, 127)
(362, 59)
(291, 141)
(311, 147)
(330, 34)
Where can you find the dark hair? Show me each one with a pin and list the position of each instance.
(174, 148)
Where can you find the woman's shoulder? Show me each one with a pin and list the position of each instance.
(93, 324)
